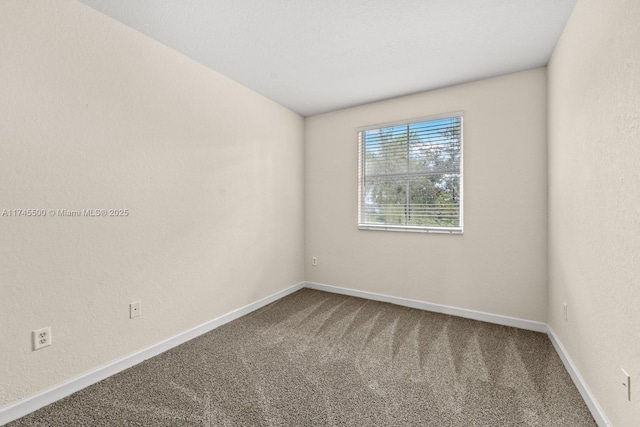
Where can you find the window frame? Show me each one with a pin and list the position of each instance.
(361, 178)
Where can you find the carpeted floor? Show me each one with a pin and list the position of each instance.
(319, 359)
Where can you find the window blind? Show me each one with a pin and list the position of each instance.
(410, 175)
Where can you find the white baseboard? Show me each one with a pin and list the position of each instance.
(46, 397)
(581, 385)
(438, 308)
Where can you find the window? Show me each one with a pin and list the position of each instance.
(410, 175)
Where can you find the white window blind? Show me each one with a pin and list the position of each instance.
(410, 175)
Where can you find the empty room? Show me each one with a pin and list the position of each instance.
(320, 213)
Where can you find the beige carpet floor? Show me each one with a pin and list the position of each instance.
(319, 359)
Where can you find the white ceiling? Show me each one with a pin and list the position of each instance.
(323, 55)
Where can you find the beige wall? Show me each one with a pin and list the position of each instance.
(594, 160)
(95, 115)
(499, 264)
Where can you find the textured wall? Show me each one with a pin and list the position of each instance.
(94, 115)
(499, 264)
(594, 189)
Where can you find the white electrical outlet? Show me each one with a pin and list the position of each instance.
(626, 382)
(134, 309)
(41, 338)
(314, 261)
(565, 311)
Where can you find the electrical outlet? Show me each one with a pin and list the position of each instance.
(134, 309)
(565, 312)
(314, 261)
(626, 382)
(41, 338)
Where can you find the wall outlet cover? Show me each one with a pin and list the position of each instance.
(41, 338)
(626, 382)
(135, 310)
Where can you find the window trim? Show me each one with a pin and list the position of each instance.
(410, 228)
